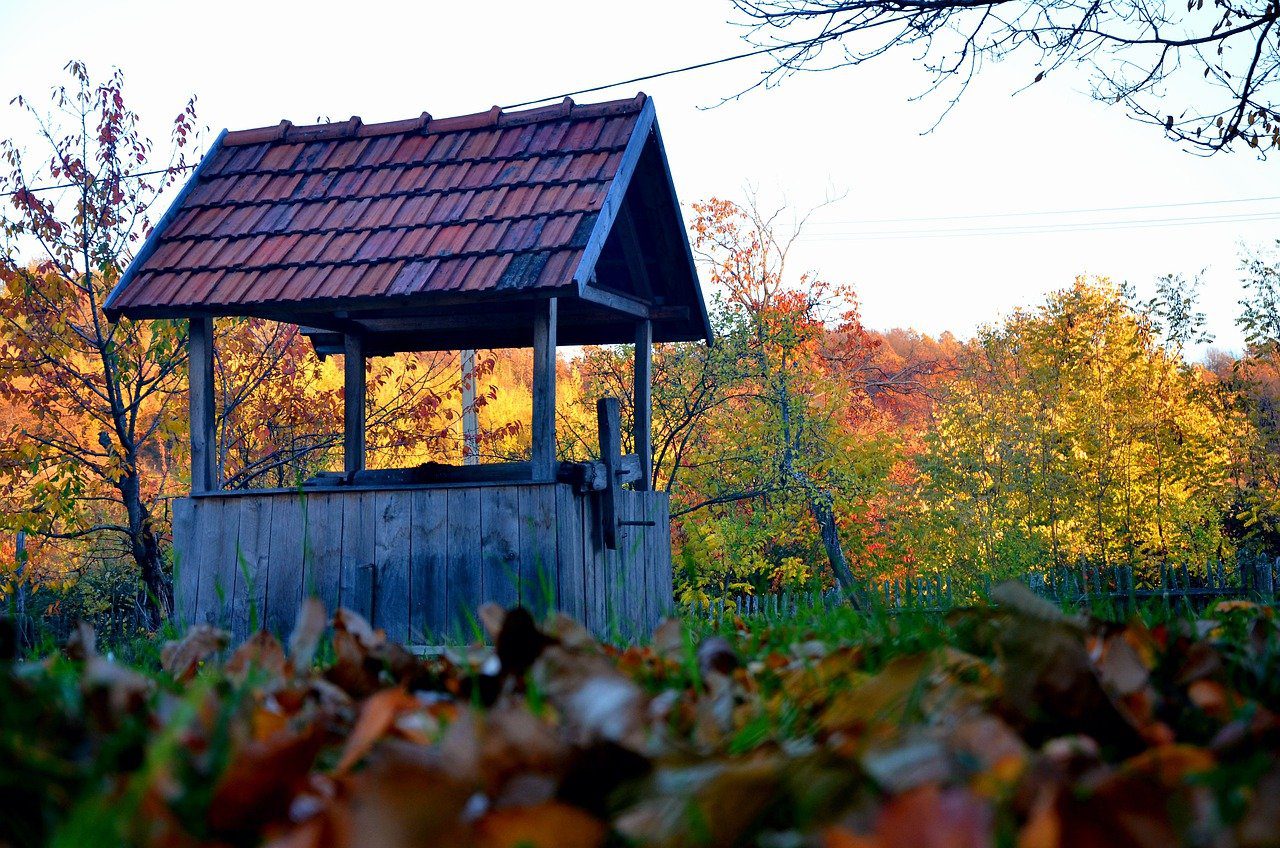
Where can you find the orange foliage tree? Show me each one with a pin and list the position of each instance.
(99, 395)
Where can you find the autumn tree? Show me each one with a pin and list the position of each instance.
(1251, 381)
(101, 397)
(797, 440)
(1205, 74)
(1078, 429)
(279, 407)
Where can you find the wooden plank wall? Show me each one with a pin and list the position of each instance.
(419, 561)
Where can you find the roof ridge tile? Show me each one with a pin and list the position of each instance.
(495, 116)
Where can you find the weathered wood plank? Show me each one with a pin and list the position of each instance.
(500, 545)
(248, 603)
(635, 566)
(570, 573)
(186, 562)
(323, 560)
(593, 559)
(544, 392)
(538, 546)
(391, 597)
(358, 539)
(632, 614)
(464, 561)
(614, 580)
(216, 602)
(607, 434)
(208, 515)
(661, 591)
(284, 577)
(429, 550)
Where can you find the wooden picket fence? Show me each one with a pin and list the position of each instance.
(1085, 585)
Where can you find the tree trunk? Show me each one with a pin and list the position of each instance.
(145, 548)
(822, 509)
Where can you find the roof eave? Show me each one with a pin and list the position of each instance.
(152, 240)
(647, 123)
(684, 236)
(612, 203)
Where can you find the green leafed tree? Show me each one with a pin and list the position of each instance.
(1077, 429)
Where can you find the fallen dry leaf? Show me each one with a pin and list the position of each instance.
(550, 825)
(377, 714)
(182, 658)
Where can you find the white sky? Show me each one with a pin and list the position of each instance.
(850, 132)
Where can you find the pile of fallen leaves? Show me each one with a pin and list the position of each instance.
(1021, 726)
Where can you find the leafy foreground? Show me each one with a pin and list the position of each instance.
(1011, 725)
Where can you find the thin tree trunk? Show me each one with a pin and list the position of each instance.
(821, 507)
(145, 548)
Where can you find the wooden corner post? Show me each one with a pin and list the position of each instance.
(204, 475)
(470, 417)
(544, 392)
(642, 403)
(353, 404)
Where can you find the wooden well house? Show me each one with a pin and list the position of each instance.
(550, 226)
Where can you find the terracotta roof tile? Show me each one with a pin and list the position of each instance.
(479, 202)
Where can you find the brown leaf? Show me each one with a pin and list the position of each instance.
(261, 780)
(929, 817)
(307, 631)
(519, 642)
(840, 837)
(354, 624)
(550, 825)
(113, 690)
(492, 617)
(1119, 667)
(571, 633)
(377, 714)
(881, 698)
(398, 802)
(83, 642)
(1050, 684)
(715, 654)
(1260, 825)
(1017, 598)
(669, 639)
(182, 658)
(261, 651)
(515, 740)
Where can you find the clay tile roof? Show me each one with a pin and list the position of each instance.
(492, 202)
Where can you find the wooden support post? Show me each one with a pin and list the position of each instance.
(200, 380)
(642, 404)
(470, 421)
(353, 404)
(607, 428)
(544, 392)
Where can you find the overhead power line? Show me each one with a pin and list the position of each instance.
(631, 81)
(133, 176)
(759, 52)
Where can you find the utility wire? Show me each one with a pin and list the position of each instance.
(760, 52)
(122, 176)
(646, 77)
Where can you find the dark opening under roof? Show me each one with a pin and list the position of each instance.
(431, 234)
